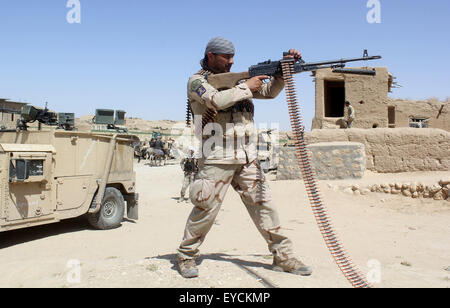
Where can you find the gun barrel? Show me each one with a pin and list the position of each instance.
(341, 61)
(355, 71)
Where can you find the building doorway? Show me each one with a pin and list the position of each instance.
(334, 98)
(391, 117)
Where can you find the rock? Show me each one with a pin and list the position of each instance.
(398, 186)
(420, 187)
(395, 191)
(435, 188)
(406, 263)
(365, 191)
(413, 187)
(355, 187)
(439, 195)
(445, 190)
(374, 188)
(406, 193)
(356, 192)
(426, 194)
(406, 186)
(348, 190)
(444, 182)
(415, 195)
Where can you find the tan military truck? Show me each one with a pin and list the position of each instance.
(48, 176)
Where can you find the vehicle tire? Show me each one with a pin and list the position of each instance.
(111, 211)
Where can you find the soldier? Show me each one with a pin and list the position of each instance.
(158, 146)
(220, 168)
(350, 114)
(189, 164)
(152, 143)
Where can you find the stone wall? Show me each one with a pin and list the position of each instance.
(288, 168)
(390, 150)
(330, 161)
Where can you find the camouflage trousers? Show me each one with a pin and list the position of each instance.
(188, 180)
(207, 193)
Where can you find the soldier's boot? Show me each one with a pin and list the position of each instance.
(292, 266)
(187, 268)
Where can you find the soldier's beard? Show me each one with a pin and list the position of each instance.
(220, 69)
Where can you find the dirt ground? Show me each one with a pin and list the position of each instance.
(402, 242)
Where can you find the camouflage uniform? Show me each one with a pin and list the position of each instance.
(239, 167)
(188, 174)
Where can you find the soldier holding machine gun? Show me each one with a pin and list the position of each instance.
(240, 168)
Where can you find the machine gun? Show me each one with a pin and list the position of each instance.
(274, 68)
(31, 114)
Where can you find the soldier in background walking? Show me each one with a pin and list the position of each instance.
(189, 164)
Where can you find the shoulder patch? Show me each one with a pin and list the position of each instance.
(195, 85)
(200, 91)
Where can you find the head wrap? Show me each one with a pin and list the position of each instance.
(218, 45)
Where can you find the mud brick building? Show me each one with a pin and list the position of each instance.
(369, 97)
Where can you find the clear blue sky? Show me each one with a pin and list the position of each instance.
(137, 55)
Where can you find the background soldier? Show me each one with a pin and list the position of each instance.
(220, 168)
(158, 146)
(189, 164)
(350, 111)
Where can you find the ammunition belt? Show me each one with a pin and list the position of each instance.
(345, 264)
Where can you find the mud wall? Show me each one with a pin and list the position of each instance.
(390, 150)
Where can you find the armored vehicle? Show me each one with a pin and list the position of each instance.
(53, 174)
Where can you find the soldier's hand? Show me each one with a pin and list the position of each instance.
(256, 83)
(293, 53)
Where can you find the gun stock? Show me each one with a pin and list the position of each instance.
(227, 80)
